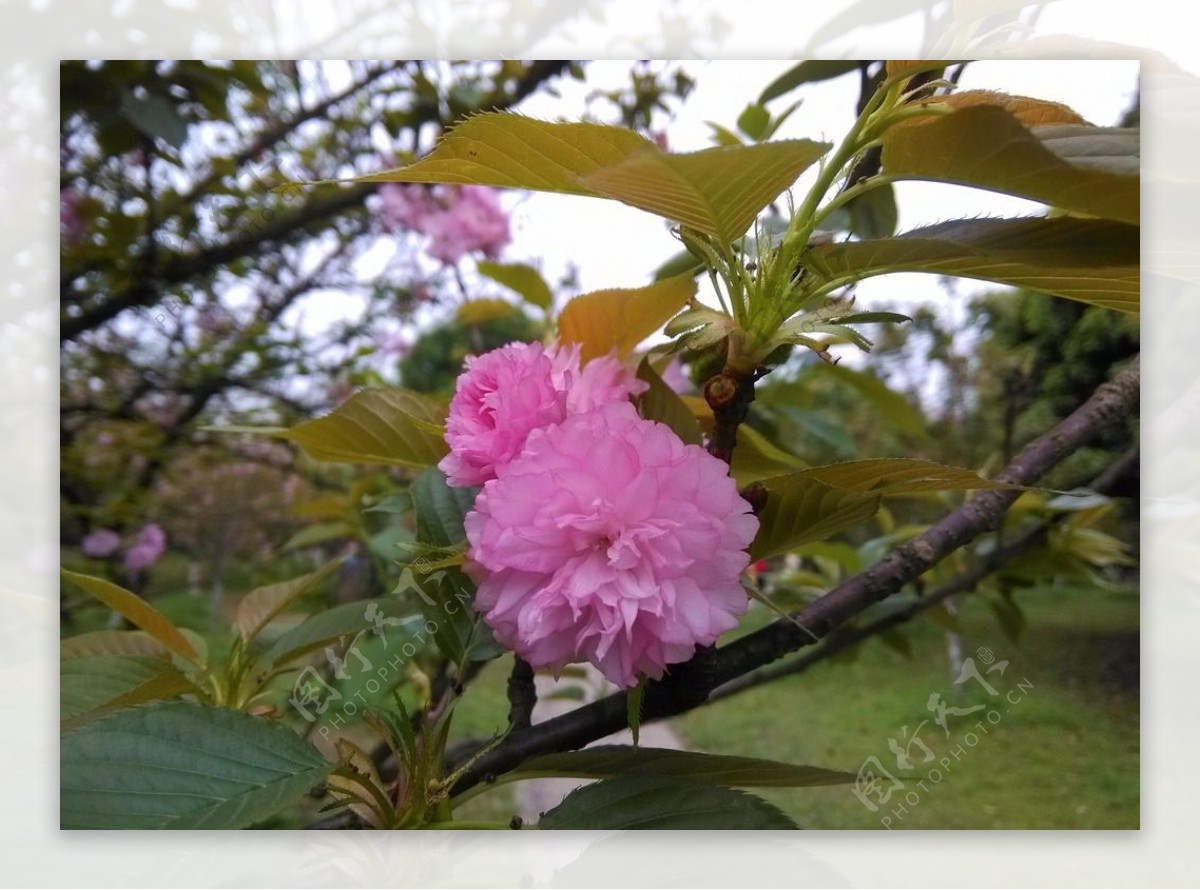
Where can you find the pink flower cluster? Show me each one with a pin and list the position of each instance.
(598, 536)
(458, 219)
(150, 545)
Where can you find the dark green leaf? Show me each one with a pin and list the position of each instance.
(326, 628)
(440, 508)
(1010, 617)
(156, 117)
(806, 72)
(104, 682)
(606, 761)
(663, 404)
(661, 802)
(182, 765)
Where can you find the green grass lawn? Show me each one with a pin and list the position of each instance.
(1065, 755)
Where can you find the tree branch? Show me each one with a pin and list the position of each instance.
(964, 583)
(689, 685)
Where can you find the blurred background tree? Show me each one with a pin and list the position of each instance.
(198, 287)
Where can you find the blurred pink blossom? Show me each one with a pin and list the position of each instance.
(458, 219)
(150, 544)
(71, 226)
(610, 541)
(100, 544)
(675, 377)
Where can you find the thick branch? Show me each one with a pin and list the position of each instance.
(689, 684)
(964, 583)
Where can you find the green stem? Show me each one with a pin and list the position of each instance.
(850, 194)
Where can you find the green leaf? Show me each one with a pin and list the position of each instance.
(439, 509)
(320, 533)
(661, 802)
(1089, 260)
(379, 426)
(897, 476)
(813, 504)
(633, 707)
(326, 628)
(873, 214)
(182, 765)
(106, 682)
(897, 642)
(944, 618)
(719, 190)
(445, 594)
(898, 411)
(512, 151)
(260, 606)
(137, 610)
(606, 761)
(683, 263)
(754, 120)
(755, 457)
(806, 72)
(522, 278)
(620, 319)
(484, 310)
(803, 509)
(663, 404)
(156, 117)
(110, 642)
(1010, 617)
(987, 147)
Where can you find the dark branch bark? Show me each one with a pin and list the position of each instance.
(522, 695)
(965, 583)
(690, 684)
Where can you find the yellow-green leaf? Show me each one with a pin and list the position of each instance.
(513, 151)
(1029, 111)
(522, 278)
(137, 610)
(382, 426)
(1091, 260)
(801, 509)
(898, 476)
(718, 191)
(484, 310)
(755, 457)
(987, 147)
(260, 606)
(620, 319)
(110, 642)
(810, 505)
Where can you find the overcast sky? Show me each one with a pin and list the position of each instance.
(618, 246)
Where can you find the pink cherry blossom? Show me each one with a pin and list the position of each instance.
(474, 222)
(458, 220)
(100, 544)
(149, 546)
(610, 541)
(507, 393)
